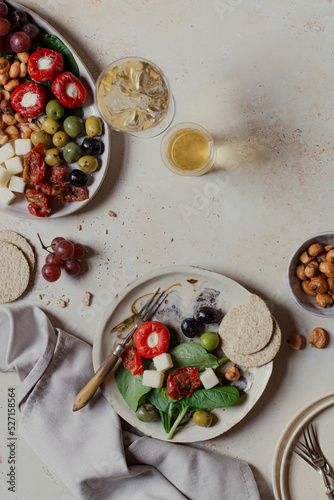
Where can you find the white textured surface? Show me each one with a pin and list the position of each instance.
(259, 77)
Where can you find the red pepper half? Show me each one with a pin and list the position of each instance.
(29, 99)
(151, 339)
(132, 361)
(183, 382)
(69, 91)
(44, 65)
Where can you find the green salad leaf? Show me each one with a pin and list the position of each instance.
(130, 386)
(192, 354)
(54, 43)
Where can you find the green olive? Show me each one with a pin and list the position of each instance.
(209, 340)
(41, 136)
(147, 413)
(60, 139)
(88, 163)
(72, 152)
(93, 126)
(53, 157)
(202, 418)
(49, 125)
(73, 126)
(55, 110)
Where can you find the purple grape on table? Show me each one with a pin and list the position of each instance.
(32, 31)
(51, 272)
(52, 258)
(3, 9)
(17, 19)
(64, 250)
(20, 42)
(79, 251)
(4, 26)
(72, 267)
(56, 240)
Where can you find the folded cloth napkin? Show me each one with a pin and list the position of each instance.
(88, 449)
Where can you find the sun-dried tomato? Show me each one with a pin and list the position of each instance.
(183, 382)
(132, 361)
(67, 192)
(34, 168)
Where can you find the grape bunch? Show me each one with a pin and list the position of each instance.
(16, 32)
(64, 254)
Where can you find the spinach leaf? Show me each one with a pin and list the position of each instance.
(130, 387)
(217, 397)
(75, 112)
(54, 43)
(191, 354)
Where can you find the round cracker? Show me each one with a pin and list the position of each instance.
(14, 273)
(21, 243)
(262, 357)
(248, 328)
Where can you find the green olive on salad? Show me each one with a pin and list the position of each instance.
(73, 126)
(146, 413)
(209, 340)
(202, 418)
(60, 139)
(53, 157)
(55, 110)
(88, 163)
(41, 136)
(50, 126)
(72, 152)
(93, 126)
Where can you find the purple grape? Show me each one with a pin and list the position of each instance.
(20, 42)
(3, 9)
(17, 19)
(72, 267)
(32, 31)
(5, 47)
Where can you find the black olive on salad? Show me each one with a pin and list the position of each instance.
(190, 327)
(207, 315)
(92, 146)
(78, 178)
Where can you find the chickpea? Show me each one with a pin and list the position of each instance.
(12, 133)
(330, 256)
(23, 56)
(9, 119)
(311, 269)
(306, 288)
(328, 248)
(4, 65)
(232, 373)
(318, 285)
(300, 272)
(330, 284)
(318, 338)
(305, 258)
(315, 249)
(324, 299)
(321, 257)
(11, 84)
(296, 341)
(327, 268)
(14, 70)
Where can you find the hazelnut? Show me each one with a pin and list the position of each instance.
(295, 341)
(318, 338)
(232, 373)
(315, 249)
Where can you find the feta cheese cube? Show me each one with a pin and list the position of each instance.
(4, 176)
(208, 378)
(6, 152)
(6, 196)
(22, 146)
(17, 184)
(163, 362)
(14, 165)
(151, 378)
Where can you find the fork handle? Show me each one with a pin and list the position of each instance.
(330, 494)
(86, 394)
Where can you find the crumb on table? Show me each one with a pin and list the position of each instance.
(86, 299)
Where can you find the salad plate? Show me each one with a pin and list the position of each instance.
(19, 206)
(189, 288)
(293, 479)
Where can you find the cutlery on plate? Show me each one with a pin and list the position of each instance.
(311, 452)
(145, 314)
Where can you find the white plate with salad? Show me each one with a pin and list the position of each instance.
(50, 38)
(190, 289)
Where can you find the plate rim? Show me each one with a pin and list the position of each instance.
(155, 273)
(289, 431)
(5, 209)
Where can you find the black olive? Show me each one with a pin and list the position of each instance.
(78, 178)
(190, 327)
(207, 315)
(92, 146)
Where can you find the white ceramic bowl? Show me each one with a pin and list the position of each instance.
(305, 301)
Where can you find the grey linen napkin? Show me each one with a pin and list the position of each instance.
(88, 449)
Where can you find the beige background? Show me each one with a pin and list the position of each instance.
(258, 74)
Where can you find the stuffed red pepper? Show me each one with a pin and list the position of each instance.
(29, 99)
(69, 90)
(44, 65)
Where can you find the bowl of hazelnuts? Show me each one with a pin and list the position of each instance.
(310, 275)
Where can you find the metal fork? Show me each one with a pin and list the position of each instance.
(145, 314)
(311, 452)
